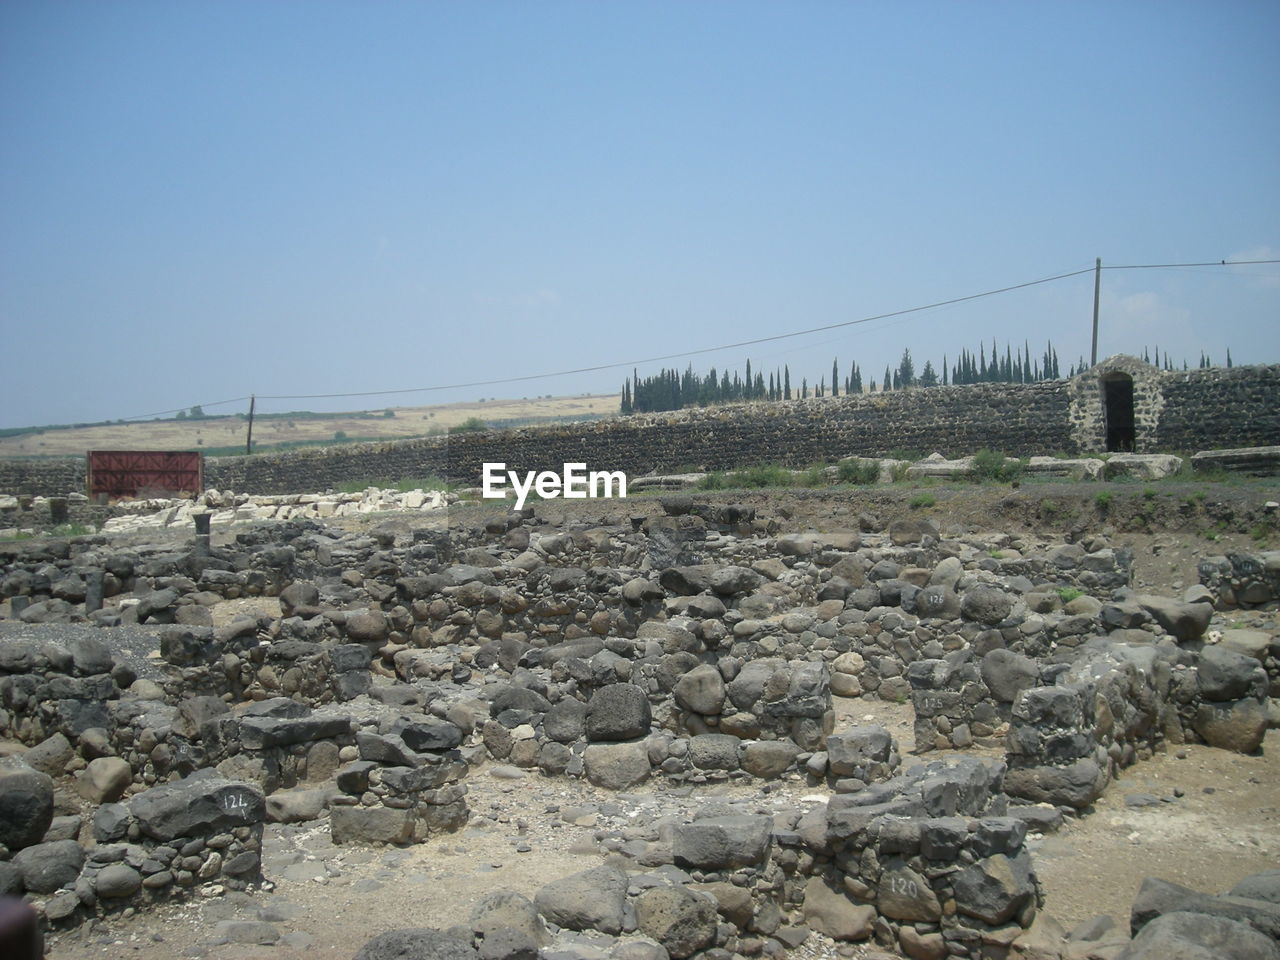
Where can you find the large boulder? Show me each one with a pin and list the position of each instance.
(1228, 675)
(506, 909)
(201, 805)
(911, 530)
(1195, 936)
(1074, 785)
(1183, 621)
(678, 918)
(116, 881)
(701, 690)
(722, 843)
(997, 889)
(769, 759)
(833, 914)
(105, 779)
(986, 604)
(591, 900)
(616, 766)
(566, 721)
(1263, 886)
(1007, 674)
(416, 944)
(371, 824)
(857, 750)
(619, 711)
(1239, 726)
(47, 867)
(26, 804)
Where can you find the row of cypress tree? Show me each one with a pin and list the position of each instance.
(673, 389)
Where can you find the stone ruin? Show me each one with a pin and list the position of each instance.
(696, 646)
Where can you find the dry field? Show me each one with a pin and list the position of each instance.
(229, 431)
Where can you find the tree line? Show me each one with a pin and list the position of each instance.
(673, 389)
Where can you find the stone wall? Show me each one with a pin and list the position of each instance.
(46, 477)
(1220, 408)
(1180, 411)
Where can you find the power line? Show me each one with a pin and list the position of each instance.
(726, 346)
(686, 353)
(1165, 266)
(161, 413)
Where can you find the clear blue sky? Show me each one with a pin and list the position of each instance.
(200, 201)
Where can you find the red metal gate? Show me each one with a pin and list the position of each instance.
(126, 473)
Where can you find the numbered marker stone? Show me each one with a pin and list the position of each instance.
(905, 895)
(196, 806)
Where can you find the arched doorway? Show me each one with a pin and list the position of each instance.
(1117, 408)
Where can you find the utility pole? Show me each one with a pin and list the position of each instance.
(248, 441)
(1097, 289)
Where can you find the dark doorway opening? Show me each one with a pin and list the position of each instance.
(1117, 406)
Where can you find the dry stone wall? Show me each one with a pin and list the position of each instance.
(1198, 409)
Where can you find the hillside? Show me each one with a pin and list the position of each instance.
(268, 430)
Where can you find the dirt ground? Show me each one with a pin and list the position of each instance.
(1213, 817)
(328, 900)
(224, 428)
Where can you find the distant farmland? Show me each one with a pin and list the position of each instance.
(226, 434)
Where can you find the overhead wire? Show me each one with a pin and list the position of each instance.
(686, 353)
(725, 346)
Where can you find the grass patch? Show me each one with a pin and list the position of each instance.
(1067, 594)
(71, 530)
(469, 425)
(813, 476)
(921, 500)
(766, 475)
(1104, 500)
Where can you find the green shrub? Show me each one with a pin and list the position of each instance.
(859, 471)
(921, 500)
(814, 476)
(767, 475)
(1067, 594)
(898, 472)
(992, 465)
(1103, 500)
